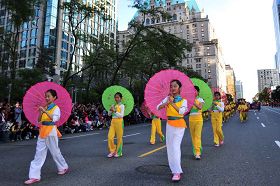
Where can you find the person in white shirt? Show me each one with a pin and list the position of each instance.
(217, 119)
(175, 107)
(196, 124)
(47, 140)
(116, 128)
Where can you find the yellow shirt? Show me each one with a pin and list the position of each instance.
(45, 130)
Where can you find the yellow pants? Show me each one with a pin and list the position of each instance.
(116, 128)
(156, 128)
(195, 131)
(216, 120)
(243, 116)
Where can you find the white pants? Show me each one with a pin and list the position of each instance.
(51, 143)
(174, 136)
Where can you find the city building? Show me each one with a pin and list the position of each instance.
(239, 89)
(276, 17)
(49, 30)
(268, 78)
(230, 81)
(190, 23)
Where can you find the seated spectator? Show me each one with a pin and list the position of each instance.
(75, 125)
(88, 123)
(2, 120)
(15, 132)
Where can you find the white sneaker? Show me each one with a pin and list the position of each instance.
(62, 172)
(176, 177)
(31, 181)
(112, 154)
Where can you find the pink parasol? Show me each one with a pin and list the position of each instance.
(35, 97)
(158, 88)
(145, 110)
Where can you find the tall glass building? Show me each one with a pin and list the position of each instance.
(276, 17)
(49, 30)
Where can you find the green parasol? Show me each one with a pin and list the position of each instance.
(205, 93)
(127, 99)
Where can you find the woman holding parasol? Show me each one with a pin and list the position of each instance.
(119, 102)
(49, 115)
(176, 107)
(169, 94)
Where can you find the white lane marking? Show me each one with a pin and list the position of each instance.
(278, 143)
(263, 125)
(272, 110)
(258, 118)
(126, 136)
(80, 136)
(255, 114)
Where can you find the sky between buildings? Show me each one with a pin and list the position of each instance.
(245, 29)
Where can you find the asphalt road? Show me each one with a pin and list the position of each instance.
(250, 156)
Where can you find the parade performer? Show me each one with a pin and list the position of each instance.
(217, 119)
(242, 108)
(196, 124)
(116, 128)
(118, 102)
(232, 111)
(156, 128)
(48, 139)
(227, 112)
(176, 107)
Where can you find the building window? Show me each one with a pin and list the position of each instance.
(33, 32)
(30, 63)
(198, 60)
(158, 20)
(64, 45)
(25, 25)
(22, 63)
(153, 21)
(147, 21)
(63, 64)
(32, 52)
(32, 42)
(22, 54)
(24, 35)
(198, 65)
(23, 44)
(174, 17)
(64, 55)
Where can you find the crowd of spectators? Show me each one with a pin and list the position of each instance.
(14, 126)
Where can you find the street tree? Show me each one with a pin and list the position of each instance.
(77, 12)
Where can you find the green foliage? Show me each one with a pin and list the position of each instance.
(45, 63)
(4, 87)
(26, 78)
(22, 11)
(77, 13)
(148, 50)
(264, 96)
(275, 95)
